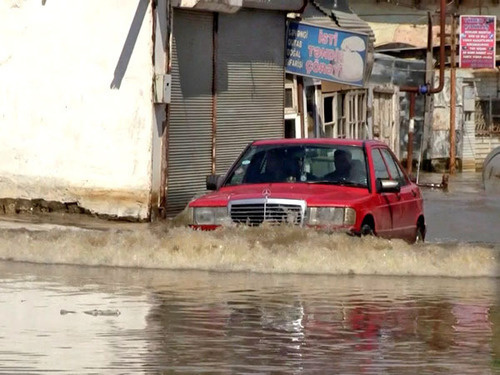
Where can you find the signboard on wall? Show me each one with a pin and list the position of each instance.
(477, 41)
(326, 53)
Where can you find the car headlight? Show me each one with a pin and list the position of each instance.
(331, 216)
(210, 215)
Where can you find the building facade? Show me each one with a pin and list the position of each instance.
(335, 108)
(401, 31)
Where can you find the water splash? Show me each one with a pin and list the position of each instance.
(280, 250)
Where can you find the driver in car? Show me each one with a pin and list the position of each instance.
(342, 161)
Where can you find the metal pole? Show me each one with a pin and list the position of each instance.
(452, 96)
(411, 127)
(429, 77)
(427, 89)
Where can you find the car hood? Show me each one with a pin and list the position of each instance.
(313, 194)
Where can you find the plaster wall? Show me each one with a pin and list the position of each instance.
(76, 114)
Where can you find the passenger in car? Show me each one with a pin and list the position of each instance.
(342, 161)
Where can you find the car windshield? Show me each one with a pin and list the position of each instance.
(328, 164)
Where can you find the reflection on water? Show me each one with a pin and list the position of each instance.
(235, 323)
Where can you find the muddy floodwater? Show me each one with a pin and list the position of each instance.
(89, 297)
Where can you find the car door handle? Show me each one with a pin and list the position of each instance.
(414, 193)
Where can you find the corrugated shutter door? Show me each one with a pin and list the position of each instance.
(190, 125)
(250, 81)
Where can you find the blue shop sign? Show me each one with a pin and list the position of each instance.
(326, 53)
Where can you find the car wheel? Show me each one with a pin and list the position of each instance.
(419, 235)
(366, 230)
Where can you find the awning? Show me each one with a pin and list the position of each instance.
(285, 5)
(339, 12)
(232, 6)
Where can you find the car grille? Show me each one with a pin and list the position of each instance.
(274, 211)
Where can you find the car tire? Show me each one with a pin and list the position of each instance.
(366, 230)
(419, 235)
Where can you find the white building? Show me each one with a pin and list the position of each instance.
(82, 120)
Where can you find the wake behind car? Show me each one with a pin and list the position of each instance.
(356, 186)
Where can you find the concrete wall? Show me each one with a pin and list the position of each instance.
(76, 110)
(486, 83)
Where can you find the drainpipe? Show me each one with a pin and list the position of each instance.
(425, 89)
(215, 35)
(165, 139)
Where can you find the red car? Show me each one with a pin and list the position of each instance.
(357, 186)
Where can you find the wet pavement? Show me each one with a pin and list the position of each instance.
(464, 212)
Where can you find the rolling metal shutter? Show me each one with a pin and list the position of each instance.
(190, 124)
(249, 80)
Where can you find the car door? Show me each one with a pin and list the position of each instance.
(407, 197)
(386, 203)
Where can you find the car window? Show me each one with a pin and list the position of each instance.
(306, 163)
(239, 172)
(267, 164)
(394, 169)
(379, 165)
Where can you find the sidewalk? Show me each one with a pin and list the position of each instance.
(50, 221)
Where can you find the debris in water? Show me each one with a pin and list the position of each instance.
(96, 312)
(64, 312)
(443, 185)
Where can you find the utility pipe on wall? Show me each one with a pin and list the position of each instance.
(425, 89)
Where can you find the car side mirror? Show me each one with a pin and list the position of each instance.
(214, 181)
(388, 186)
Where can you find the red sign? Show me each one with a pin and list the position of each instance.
(477, 41)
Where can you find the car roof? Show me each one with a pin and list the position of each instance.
(318, 141)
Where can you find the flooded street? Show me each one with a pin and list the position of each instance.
(210, 322)
(96, 298)
(464, 212)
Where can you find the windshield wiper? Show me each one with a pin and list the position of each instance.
(340, 183)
